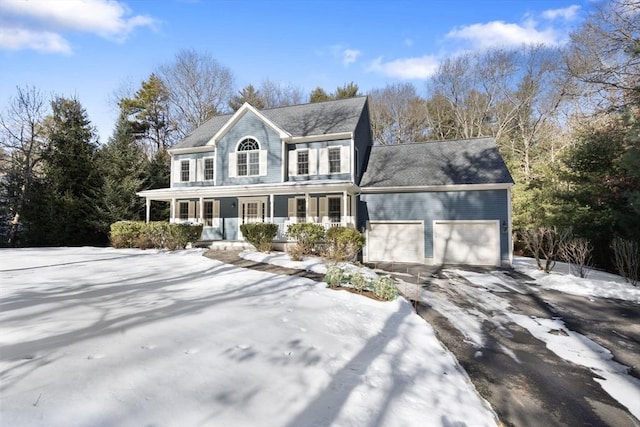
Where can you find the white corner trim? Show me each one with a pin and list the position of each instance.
(189, 150)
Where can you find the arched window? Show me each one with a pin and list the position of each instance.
(248, 160)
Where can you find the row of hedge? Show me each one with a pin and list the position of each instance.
(337, 243)
(159, 235)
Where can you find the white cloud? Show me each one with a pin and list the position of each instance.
(45, 21)
(567, 13)
(41, 41)
(408, 42)
(406, 68)
(502, 34)
(349, 56)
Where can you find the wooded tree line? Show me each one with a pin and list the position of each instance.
(566, 119)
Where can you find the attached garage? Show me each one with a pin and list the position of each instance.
(466, 242)
(398, 241)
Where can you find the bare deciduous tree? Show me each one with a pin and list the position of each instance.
(545, 243)
(626, 255)
(275, 94)
(577, 252)
(22, 139)
(398, 114)
(199, 88)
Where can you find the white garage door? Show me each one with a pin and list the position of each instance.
(466, 242)
(395, 241)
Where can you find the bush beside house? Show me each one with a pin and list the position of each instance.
(159, 235)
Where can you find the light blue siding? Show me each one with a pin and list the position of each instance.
(427, 207)
(250, 125)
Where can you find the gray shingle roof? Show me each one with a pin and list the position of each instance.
(299, 120)
(471, 161)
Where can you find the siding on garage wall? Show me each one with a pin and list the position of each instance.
(318, 146)
(249, 125)
(446, 205)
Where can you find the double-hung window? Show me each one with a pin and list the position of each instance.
(184, 171)
(301, 210)
(334, 211)
(183, 213)
(208, 213)
(334, 160)
(303, 162)
(248, 162)
(208, 169)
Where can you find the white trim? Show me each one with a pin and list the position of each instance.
(287, 188)
(444, 187)
(317, 138)
(204, 159)
(352, 148)
(189, 150)
(241, 140)
(237, 116)
(494, 222)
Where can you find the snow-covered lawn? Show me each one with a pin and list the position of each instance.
(104, 337)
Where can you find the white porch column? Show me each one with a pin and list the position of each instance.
(201, 213)
(306, 206)
(173, 210)
(148, 206)
(271, 208)
(344, 209)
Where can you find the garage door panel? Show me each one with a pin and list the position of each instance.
(473, 243)
(399, 242)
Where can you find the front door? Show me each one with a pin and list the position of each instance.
(251, 210)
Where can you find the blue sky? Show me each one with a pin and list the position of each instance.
(91, 48)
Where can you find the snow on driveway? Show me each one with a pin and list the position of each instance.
(481, 302)
(93, 336)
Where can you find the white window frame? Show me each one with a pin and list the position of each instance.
(249, 159)
(298, 163)
(339, 160)
(204, 168)
(183, 171)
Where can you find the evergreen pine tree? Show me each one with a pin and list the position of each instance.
(63, 207)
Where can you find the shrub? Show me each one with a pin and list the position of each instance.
(260, 235)
(577, 252)
(343, 243)
(545, 243)
(359, 282)
(334, 276)
(308, 236)
(137, 234)
(626, 254)
(384, 288)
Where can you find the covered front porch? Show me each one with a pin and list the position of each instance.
(222, 210)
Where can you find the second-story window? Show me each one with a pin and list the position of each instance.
(248, 158)
(303, 163)
(334, 160)
(208, 169)
(184, 171)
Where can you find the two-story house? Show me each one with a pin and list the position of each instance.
(432, 202)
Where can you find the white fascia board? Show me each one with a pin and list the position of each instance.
(238, 115)
(249, 190)
(450, 187)
(188, 150)
(324, 137)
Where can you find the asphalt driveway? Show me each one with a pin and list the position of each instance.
(526, 383)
